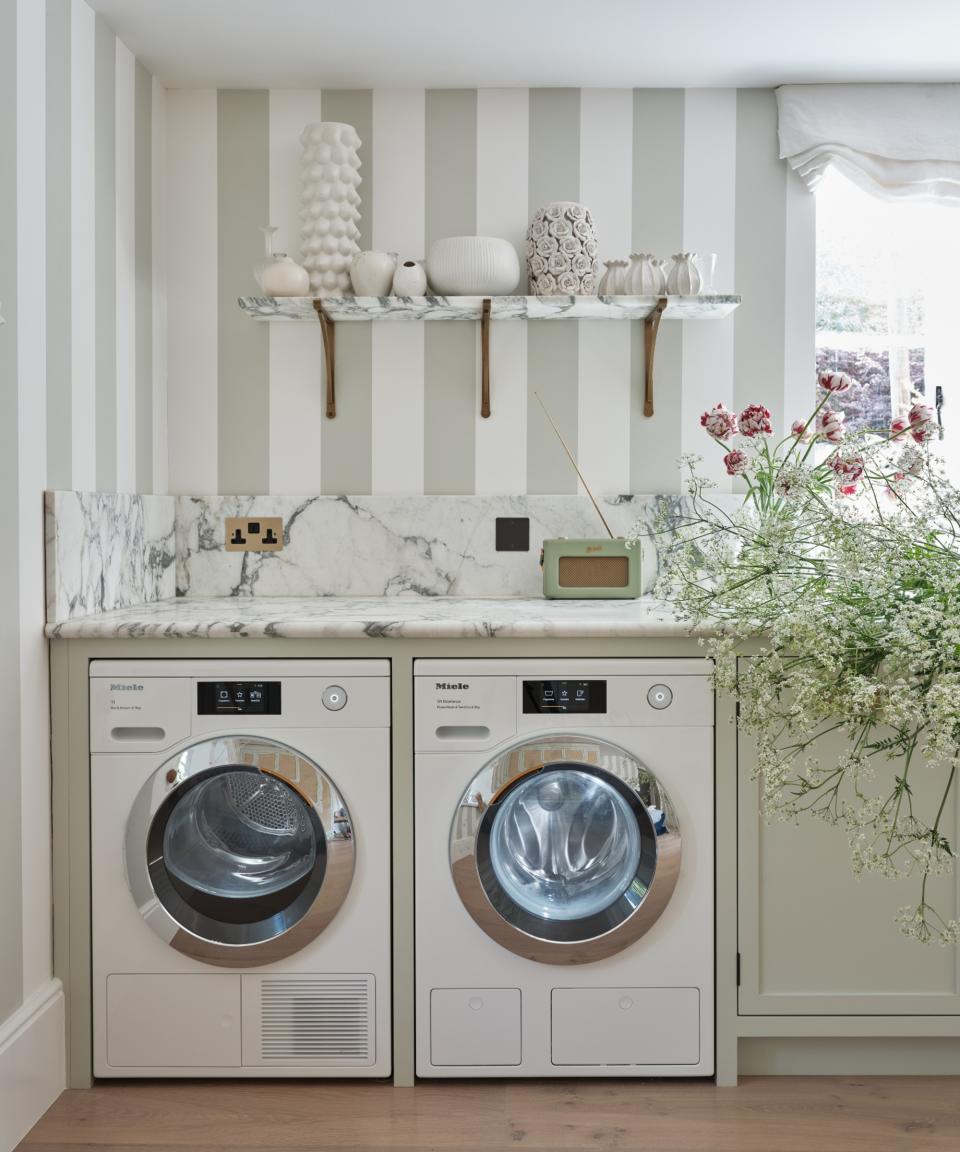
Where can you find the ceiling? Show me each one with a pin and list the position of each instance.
(532, 43)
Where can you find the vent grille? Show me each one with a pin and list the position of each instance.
(317, 1020)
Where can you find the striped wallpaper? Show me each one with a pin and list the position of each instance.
(80, 120)
(661, 169)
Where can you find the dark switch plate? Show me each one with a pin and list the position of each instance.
(513, 533)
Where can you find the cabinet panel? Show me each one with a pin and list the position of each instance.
(813, 938)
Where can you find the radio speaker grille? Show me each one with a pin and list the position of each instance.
(317, 1020)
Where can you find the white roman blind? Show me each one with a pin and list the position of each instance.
(898, 141)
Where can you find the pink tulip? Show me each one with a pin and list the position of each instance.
(835, 381)
(736, 462)
(800, 431)
(830, 426)
(848, 470)
(719, 422)
(922, 426)
(754, 420)
(899, 427)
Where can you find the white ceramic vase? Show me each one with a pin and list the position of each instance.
(647, 275)
(284, 277)
(410, 279)
(371, 273)
(473, 266)
(684, 278)
(329, 205)
(562, 251)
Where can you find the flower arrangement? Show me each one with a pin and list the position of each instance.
(841, 568)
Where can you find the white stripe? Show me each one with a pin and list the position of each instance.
(799, 300)
(158, 167)
(709, 217)
(603, 398)
(34, 757)
(191, 257)
(125, 105)
(503, 159)
(296, 350)
(398, 210)
(82, 222)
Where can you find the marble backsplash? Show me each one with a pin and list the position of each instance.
(107, 551)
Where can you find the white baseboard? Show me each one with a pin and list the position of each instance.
(32, 1062)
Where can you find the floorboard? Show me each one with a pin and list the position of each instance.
(765, 1114)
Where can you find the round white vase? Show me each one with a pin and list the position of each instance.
(329, 205)
(410, 279)
(684, 278)
(371, 273)
(473, 266)
(647, 275)
(284, 277)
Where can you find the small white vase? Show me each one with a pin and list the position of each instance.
(616, 278)
(284, 277)
(371, 273)
(410, 279)
(684, 278)
(647, 275)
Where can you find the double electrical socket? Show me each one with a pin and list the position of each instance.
(250, 534)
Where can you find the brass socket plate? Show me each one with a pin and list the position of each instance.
(253, 533)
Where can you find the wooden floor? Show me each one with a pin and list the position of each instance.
(781, 1114)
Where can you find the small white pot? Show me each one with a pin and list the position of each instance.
(284, 277)
(371, 273)
(410, 279)
(473, 266)
(684, 278)
(647, 275)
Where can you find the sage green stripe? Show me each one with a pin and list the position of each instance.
(59, 249)
(450, 392)
(243, 378)
(143, 261)
(761, 229)
(658, 129)
(11, 888)
(105, 260)
(346, 443)
(552, 345)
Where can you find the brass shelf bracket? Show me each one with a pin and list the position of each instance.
(651, 326)
(485, 360)
(329, 356)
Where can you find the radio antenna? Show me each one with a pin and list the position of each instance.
(576, 468)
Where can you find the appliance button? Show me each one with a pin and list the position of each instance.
(475, 1003)
(660, 696)
(334, 697)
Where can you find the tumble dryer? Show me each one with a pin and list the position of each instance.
(564, 867)
(240, 852)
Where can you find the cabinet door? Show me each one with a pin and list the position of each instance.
(815, 940)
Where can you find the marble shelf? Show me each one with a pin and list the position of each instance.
(358, 308)
(331, 310)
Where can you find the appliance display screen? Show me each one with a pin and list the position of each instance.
(238, 698)
(564, 695)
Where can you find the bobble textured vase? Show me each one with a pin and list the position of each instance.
(562, 251)
(329, 205)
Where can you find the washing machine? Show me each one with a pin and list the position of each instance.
(564, 868)
(240, 856)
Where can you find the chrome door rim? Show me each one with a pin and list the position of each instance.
(320, 895)
(619, 925)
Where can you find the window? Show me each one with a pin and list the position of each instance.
(888, 284)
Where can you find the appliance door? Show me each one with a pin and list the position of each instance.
(239, 851)
(565, 850)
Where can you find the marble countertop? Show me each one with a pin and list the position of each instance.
(341, 617)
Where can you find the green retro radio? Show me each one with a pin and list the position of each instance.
(590, 569)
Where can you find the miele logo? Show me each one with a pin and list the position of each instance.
(126, 687)
(444, 687)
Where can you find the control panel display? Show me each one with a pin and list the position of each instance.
(238, 698)
(564, 695)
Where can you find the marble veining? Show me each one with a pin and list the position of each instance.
(351, 308)
(374, 617)
(107, 550)
(392, 545)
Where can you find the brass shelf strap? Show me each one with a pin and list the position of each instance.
(651, 326)
(329, 356)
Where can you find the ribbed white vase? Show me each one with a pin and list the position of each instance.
(329, 205)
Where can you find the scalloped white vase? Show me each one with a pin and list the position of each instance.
(329, 205)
